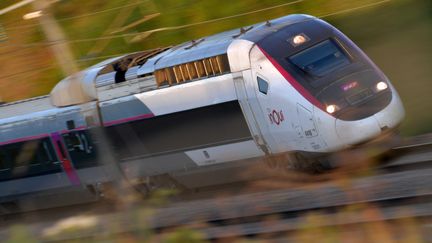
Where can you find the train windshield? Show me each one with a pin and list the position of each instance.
(321, 59)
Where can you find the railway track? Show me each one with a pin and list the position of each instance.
(392, 194)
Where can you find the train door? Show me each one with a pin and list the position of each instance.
(291, 125)
(274, 115)
(271, 109)
(252, 110)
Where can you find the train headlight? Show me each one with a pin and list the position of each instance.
(331, 109)
(298, 40)
(381, 86)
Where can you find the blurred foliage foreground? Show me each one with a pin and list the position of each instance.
(132, 226)
(395, 33)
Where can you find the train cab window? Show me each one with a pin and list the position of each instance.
(263, 85)
(321, 59)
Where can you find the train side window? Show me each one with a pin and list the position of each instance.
(78, 142)
(47, 152)
(26, 159)
(27, 153)
(263, 85)
(4, 165)
(81, 149)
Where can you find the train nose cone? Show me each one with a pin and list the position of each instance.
(392, 115)
(354, 132)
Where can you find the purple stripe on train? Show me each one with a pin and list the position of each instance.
(66, 163)
(125, 120)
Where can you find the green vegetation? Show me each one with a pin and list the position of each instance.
(396, 34)
(20, 234)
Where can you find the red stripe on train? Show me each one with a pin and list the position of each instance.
(66, 163)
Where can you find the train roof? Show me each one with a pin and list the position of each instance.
(217, 44)
(23, 107)
(146, 63)
(204, 47)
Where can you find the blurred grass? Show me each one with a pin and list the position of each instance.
(354, 223)
(20, 234)
(396, 35)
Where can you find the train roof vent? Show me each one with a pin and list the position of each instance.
(125, 68)
(200, 69)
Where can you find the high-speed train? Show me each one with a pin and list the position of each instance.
(196, 113)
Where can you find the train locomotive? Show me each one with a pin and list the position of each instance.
(196, 112)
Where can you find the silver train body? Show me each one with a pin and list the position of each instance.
(197, 112)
